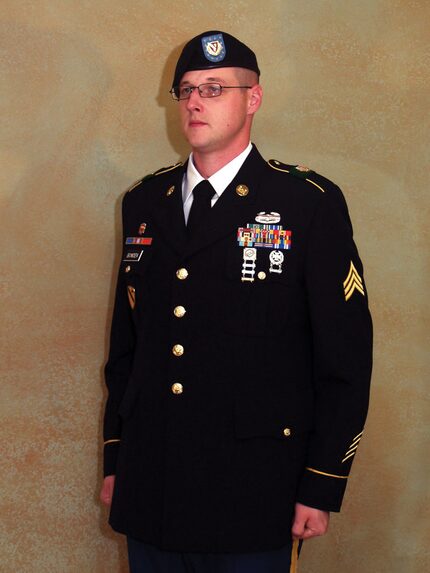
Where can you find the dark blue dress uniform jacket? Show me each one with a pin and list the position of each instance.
(219, 419)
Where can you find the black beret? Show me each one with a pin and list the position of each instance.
(214, 49)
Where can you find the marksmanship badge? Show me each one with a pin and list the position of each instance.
(214, 48)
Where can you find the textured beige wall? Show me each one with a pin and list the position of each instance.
(83, 114)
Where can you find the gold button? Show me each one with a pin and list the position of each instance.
(261, 275)
(182, 274)
(170, 190)
(178, 350)
(179, 311)
(242, 190)
(127, 268)
(287, 432)
(177, 388)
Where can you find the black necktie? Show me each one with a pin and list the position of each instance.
(200, 209)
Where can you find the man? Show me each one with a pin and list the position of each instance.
(240, 356)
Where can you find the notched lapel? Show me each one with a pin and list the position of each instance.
(234, 208)
(169, 213)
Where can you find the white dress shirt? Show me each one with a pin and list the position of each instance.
(219, 180)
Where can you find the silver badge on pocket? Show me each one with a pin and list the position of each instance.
(276, 259)
(248, 266)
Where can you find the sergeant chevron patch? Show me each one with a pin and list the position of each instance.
(350, 452)
(352, 282)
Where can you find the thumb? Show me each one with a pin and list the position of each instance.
(298, 528)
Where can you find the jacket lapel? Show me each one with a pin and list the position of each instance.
(232, 209)
(169, 212)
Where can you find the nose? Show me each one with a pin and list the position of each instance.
(194, 102)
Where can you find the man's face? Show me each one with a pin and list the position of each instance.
(219, 123)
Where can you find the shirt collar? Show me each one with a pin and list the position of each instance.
(219, 180)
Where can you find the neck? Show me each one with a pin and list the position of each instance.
(209, 163)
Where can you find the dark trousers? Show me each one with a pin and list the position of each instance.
(145, 558)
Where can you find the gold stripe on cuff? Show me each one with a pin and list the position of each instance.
(111, 442)
(326, 474)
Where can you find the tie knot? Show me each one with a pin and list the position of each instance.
(203, 191)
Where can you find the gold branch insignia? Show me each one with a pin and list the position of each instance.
(353, 282)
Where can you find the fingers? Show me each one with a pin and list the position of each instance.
(298, 530)
(107, 490)
(309, 522)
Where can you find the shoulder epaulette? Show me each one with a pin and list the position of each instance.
(299, 171)
(151, 175)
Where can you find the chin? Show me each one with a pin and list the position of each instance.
(197, 143)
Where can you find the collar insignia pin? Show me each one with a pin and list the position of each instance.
(242, 190)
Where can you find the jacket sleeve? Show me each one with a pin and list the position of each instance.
(342, 349)
(118, 367)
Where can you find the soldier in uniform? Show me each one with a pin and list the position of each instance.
(240, 354)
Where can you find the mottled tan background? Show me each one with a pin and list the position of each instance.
(84, 114)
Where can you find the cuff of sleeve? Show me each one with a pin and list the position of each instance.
(110, 455)
(322, 490)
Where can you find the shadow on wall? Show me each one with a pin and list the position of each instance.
(164, 100)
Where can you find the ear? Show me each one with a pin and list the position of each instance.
(255, 99)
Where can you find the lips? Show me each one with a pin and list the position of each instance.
(196, 123)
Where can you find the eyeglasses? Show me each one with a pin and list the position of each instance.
(205, 90)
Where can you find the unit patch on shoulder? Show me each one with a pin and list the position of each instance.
(352, 282)
(131, 292)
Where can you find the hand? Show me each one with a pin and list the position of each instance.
(309, 522)
(107, 490)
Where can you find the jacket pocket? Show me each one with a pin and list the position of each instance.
(258, 304)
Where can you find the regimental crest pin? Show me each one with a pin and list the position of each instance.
(214, 48)
(142, 228)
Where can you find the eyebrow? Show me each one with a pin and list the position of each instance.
(206, 80)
